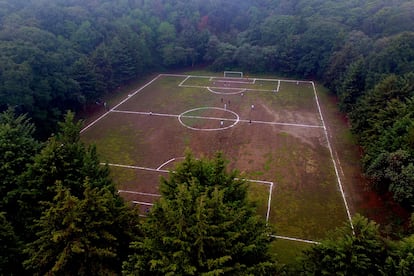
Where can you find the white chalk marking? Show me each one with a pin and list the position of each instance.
(235, 121)
(123, 101)
(224, 93)
(134, 167)
(138, 193)
(333, 159)
(294, 239)
(169, 161)
(181, 83)
(217, 118)
(142, 203)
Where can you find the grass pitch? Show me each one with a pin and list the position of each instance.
(270, 130)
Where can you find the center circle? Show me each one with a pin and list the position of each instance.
(208, 118)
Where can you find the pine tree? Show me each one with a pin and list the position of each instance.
(65, 160)
(79, 236)
(17, 147)
(9, 248)
(203, 224)
(346, 253)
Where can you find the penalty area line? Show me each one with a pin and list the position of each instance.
(135, 167)
(294, 239)
(269, 199)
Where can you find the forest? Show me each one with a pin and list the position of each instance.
(59, 210)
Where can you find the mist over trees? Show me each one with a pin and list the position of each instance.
(59, 55)
(67, 54)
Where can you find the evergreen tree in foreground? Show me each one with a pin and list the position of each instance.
(77, 224)
(9, 248)
(79, 236)
(65, 160)
(17, 148)
(202, 225)
(349, 254)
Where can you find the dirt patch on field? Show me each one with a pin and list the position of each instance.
(278, 138)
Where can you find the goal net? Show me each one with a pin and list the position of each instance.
(233, 74)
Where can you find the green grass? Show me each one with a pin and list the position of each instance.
(234, 84)
(259, 194)
(305, 200)
(286, 251)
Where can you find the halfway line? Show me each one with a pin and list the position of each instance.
(217, 118)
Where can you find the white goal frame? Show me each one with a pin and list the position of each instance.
(238, 73)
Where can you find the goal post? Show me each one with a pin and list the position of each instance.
(233, 74)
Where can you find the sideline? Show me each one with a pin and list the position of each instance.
(123, 101)
(333, 160)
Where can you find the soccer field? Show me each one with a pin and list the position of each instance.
(270, 130)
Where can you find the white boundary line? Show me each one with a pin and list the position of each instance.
(228, 88)
(278, 86)
(181, 83)
(127, 98)
(142, 203)
(137, 193)
(333, 159)
(135, 167)
(281, 124)
(269, 199)
(216, 118)
(255, 79)
(294, 239)
(145, 113)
